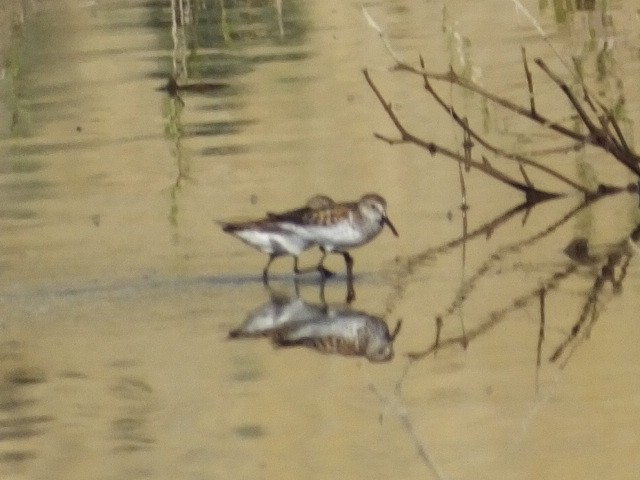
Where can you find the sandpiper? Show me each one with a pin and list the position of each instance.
(339, 227)
(269, 237)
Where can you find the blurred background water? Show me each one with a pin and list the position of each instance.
(118, 289)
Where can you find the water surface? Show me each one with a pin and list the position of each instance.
(118, 290)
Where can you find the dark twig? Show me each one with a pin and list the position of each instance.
(436, 343)
(612, 119)
(605, 119)
(543, 293)
(616, 127)
(453, 78)
(470, 284)
(527, 73)
(597, 136)
(603, 116)
(533, 195)
(464, 206)
(467, 144)
(416, 260)
(478, 138)
(497, 316)
(525, 176)
(587, 309)
(525, 217)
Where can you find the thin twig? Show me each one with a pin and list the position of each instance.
(540, 336)
(520, 8)
(597, 136)
(527, 73)
(372, 23)
(497, 316)
(603, 116)
(510, 156)
(533, 194)
(587, 309)
(453, 78)
(467, 144)
(616, 127)
(555, 150)
(407, 424)
(527, 180)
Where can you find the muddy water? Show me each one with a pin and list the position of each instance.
(118, 290)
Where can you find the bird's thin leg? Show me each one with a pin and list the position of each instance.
(296, 270)
(396, 330)
(296, 286)
(348, 260)
(265, 272)
(351, 293)
(324, 273)
(322, 299)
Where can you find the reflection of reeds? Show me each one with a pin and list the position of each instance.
(229, 19)
(174, 130)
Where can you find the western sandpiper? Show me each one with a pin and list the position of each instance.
(339, 227)
(269, 236)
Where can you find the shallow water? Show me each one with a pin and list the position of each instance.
(118, 290)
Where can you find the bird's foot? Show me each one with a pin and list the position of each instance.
(324, 273)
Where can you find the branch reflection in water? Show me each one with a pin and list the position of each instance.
(608, 265)
(604, 263)
(291, 322)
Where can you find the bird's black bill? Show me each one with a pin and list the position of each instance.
(388, 222)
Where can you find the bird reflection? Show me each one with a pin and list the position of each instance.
(291, 322)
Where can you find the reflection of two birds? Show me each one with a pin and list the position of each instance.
(334, 227)
(290, 322)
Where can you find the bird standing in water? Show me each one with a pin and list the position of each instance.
(338, 227)
(269, 237)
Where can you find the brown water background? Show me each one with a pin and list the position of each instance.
(117, 288)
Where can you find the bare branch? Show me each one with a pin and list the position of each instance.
(525, 176)
(527, 73)
(511, 156)
(389, 140)
(597, 136)
(533, 195)
(467, 144)
(455, 79)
